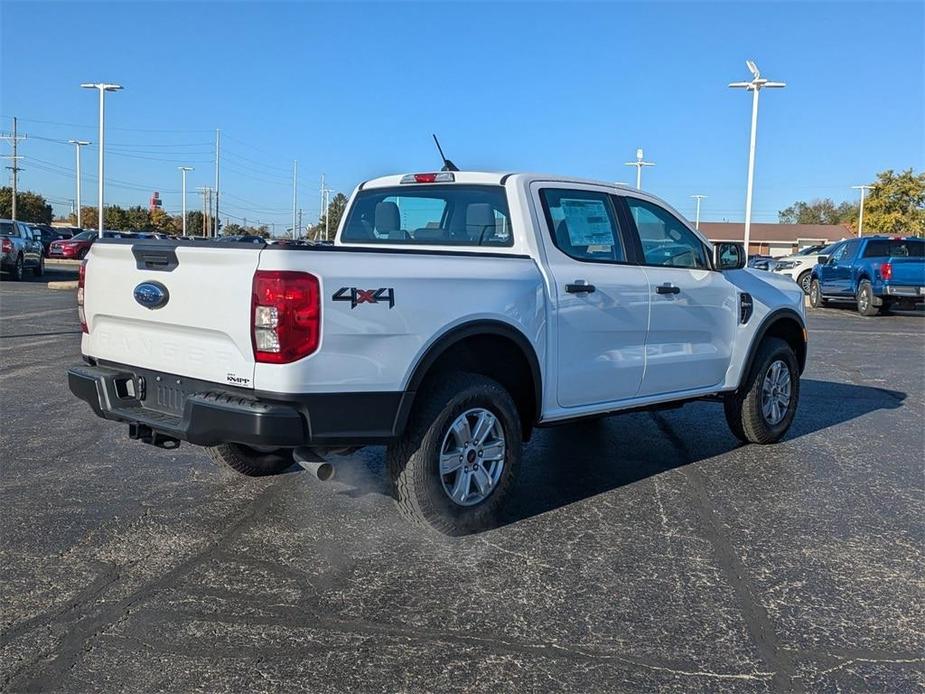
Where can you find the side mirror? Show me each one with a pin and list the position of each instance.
(728, 255)
(822, 260)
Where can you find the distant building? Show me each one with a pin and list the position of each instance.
(777, 239)
(155, 202)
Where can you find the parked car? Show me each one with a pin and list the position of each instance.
(48, 234)
(447, 328)
(761, 262)
(874, 272)
(799, 267)
(75, 247)
(20, 250)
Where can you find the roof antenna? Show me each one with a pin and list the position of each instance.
(447, 164)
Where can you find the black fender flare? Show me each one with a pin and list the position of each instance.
(477, 327)
(774, 317)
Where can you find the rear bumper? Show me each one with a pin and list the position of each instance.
(911, 292)
(208, 414)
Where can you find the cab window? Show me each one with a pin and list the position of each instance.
(583, 224)
(665, 239)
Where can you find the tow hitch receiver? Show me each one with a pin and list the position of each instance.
(146, 434)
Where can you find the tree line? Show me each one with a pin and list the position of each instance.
(34, 208)
(894, 205)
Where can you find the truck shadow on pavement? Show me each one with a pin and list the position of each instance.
(567, 464)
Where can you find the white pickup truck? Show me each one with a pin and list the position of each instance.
(455, 312)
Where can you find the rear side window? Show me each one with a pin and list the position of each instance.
(9, 229)
(583, 224)
(665, 239)
(895, 248)
(433, 215)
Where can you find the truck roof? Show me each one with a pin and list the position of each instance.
(490, 178)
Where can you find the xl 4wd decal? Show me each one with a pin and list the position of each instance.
(365, 296)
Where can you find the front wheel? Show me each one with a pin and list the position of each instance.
(251, 461)
(762, 410)
(457, 461)
(815, 295)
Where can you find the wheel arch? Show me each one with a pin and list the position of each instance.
(786, 324)
(492, 348)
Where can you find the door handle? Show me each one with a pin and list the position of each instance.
(667, 289)
(579, 287)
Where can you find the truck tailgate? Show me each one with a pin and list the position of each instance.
(908, 271)
(203, 329)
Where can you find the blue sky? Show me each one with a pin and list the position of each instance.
(354, 90)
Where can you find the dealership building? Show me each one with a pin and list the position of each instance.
(777, 240)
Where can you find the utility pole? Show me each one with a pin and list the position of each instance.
(300, 224)
(639, 163)
(863, 189)
(77, 145)
(14, 138)
(698, 198)
(295, 194)
(327, 216)
(324, 212)
(756, 85)
(203, 190)
(183, 171)
(218, 157)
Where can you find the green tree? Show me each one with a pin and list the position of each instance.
(30, 207)
(115, 218)
(330, 220)
(233, 229)
(820, 211)
(137, 218)
(896, 204)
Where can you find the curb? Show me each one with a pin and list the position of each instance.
(67, 262)
(65, 284)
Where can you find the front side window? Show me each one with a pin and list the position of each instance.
(583, 224)
(838, 254)
(665, 239)
(438, 215)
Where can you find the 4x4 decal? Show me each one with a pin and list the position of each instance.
(365, 296)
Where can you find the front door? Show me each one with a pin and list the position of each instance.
(694, 308)
(602, 301)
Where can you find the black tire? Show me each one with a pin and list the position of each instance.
(743, 408)
(39, 269)
(414, 460)
(18, 270)
(815, 295)
(82, 253)
(886, 307)
(251, 462)
(865, 299)
(804, 280)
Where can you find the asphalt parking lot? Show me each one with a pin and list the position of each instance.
(645, 552)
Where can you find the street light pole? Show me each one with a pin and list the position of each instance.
(102, 87)
(639, 163)
(698, 198)
(756, 85)
(183, 172)
(77, 145)
(863, 189)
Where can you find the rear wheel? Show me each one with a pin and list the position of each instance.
(39, 269)
(82, 254)
(252, 461)
(18, 269)
(815, 295)
(805, 280)
(763, 409)
(458, 459)
(865, 299)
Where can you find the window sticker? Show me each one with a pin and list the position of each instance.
(588, 223)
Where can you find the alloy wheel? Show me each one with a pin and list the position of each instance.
(472, 457)
(775, 392)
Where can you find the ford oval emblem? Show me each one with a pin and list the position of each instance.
(151, 294)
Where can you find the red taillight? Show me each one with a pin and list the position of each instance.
(7, 246)
(285, 316)
(886, 271)
(81, 281)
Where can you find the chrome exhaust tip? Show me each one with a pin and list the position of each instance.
(314, 463)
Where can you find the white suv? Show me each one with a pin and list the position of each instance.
(799, 267)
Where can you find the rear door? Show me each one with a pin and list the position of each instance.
(201, 330)
(602, 302)
(694, 308)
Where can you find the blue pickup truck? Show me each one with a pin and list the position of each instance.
(875, 272)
